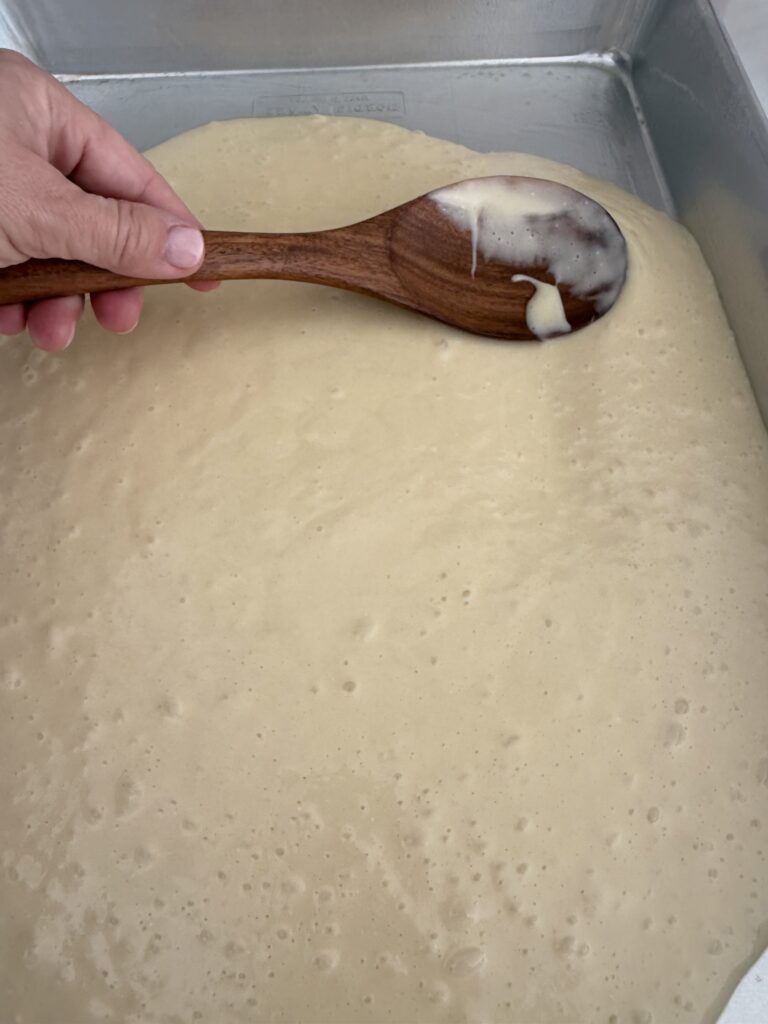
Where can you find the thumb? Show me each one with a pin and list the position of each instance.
(125, 237)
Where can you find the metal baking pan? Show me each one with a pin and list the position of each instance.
(644, 93)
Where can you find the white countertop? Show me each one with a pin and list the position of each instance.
(746, 21)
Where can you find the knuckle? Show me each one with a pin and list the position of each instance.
(12, 58)
(131, 236)
(23, 227)
(22, 74)
(35, 207)
(52, 227)
(13, 246)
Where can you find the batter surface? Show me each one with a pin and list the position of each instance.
(353, 669)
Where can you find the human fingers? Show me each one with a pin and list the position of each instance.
(118, 311)
(13, 319)
(52, 322)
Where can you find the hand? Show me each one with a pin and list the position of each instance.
(71, 187)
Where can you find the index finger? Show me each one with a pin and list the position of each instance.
(92, 154)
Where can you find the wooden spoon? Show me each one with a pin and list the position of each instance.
(475, 255)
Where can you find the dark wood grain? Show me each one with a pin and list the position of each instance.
(412, 256)
(352, 257)
(434, 256)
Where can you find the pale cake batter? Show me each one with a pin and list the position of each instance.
(354, 669)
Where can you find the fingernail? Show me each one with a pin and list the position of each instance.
(128, 330)
(54, 344)
(184, 248)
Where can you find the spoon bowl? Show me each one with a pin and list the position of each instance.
(495, 245)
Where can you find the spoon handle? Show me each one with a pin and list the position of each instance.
(354, 257)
